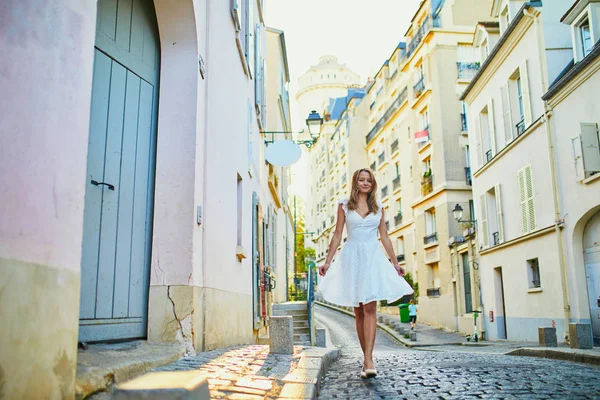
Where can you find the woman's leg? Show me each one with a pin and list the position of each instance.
(370, 329)
(360, 318)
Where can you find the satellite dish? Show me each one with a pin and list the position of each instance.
(283, 153)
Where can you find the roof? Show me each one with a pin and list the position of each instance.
(575, 10)
(571, 72)
(337, 105)
(489, 24)
(498, 46)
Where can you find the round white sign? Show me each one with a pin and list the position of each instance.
(283, 153)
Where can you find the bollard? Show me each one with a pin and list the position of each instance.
(281, 335)
(547, 337)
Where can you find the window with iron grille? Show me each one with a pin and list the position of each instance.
(533, 271)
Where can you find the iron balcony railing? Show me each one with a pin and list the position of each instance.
(387, 225)
(419, 35)
(384, 192)
(419, 87)
(394, 147)
(374, 166)
(331, 219)
(463, 121)
(488, 156)
(536, 283)
(520, 127)
(467, 70)
(433, 292)
(389, 112)
(468, 177)
(429, 239)
(382, 158)
(400, 257)
(398, 219)
(427, 185)
(496, 237)
(396, 182)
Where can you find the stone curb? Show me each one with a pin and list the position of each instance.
(555, 354)
(313, 365)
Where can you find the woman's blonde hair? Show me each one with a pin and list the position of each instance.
(371, 196)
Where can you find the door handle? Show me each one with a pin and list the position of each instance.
(96, 183)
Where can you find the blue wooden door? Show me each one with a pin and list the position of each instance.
(120, 173)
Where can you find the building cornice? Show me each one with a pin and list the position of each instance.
(520, 239)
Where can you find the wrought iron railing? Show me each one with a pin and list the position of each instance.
(467, 70)
(427, 185)
(419, 87)
(396, 182)
(394, 147)
(419, 35)
(382, 158)
(374, 165)
(520, 127)
(488, 156)
(388, 113)
(384, 192)
(463, 122)
(496, 237)
(468, 177)
(429, 239)
(398, 219)
(400, 257)
(433, 292)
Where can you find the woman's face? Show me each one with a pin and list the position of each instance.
(365, 183)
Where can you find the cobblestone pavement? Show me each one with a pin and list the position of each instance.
(419, 374)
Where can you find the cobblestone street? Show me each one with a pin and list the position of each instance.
(412, 374)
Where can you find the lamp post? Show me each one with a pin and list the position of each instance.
(314, 122)
(458, 214)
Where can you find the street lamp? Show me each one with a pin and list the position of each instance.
(458, 214)
(314, 123)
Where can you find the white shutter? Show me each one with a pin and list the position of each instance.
(257, 66)
(499, 213)
(235, 14)
(526, 94)
(478, 142)
(484, 223)
(506, 114)
(530, 201)
(492, 126)
(590, 150)
(523, 201)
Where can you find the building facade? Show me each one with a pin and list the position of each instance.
(573, 123)
(153, 199)
(515, 185)
(418, 147)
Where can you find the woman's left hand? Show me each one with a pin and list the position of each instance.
(401, 271)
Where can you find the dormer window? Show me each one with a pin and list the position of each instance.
(504, 20)
(585, 37)
(583, 17)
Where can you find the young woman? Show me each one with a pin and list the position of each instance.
(362, 274)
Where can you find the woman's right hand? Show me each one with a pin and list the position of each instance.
(323, 269)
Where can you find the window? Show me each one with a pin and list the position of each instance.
(400, 249)
(504, 20)
(433, 288)
(430, 226)
(586, 37)
(587, 151)
(533, 272)
(527, 199)
(486, 134)
(248, 28)
(484, 232)
(235, 14)
(494, 216)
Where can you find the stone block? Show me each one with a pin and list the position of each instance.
(413, 336)
(183, 385)
(400, 330)
(321, 337)
(281, 335)
(547, 337)
(580, 336)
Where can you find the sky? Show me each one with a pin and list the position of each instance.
(361, 33)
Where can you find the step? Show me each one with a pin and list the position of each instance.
(303, 343)
(300, 330)
(301, 337)
(294, 305)
(293, 313)
(300, 323)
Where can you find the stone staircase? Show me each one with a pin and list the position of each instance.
(299, 313)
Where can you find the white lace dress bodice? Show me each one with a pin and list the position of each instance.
(362, 273)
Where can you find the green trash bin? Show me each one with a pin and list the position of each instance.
(404, 317)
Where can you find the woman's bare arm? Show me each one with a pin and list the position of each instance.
(335, 240)
(387, 245)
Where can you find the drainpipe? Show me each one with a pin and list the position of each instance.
(558, 222)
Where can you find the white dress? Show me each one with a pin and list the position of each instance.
(362, 273)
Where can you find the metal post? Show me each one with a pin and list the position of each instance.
(295, 251)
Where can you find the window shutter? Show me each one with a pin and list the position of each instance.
(257, 65)
(478, 142)
(506, 114)
(484, 223)
(530, 201)
(499, 213)
(590, 149)
(263, 112)
(523, 200)
(249, 33)
(526, 93)
(492, 123)
(235, 14)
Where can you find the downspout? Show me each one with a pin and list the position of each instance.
(558, 222)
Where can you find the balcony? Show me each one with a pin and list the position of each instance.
(488, 156)
(388, 114)
(331, 219)
(394, 147)
(463, 121)
(374, 166)
(427, 185)
(430, 239)
(398, 219)
(520, 127)
(468, 178)
(384, 192)
(400, 258)
(467, 70)
(433, 292)
(496, 237)
(419, 87)
(387, 225)
(396, 182)
(382, 158)
(419, 35)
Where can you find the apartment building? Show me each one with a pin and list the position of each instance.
(515, 183)
(573, 122)
(417, 145)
